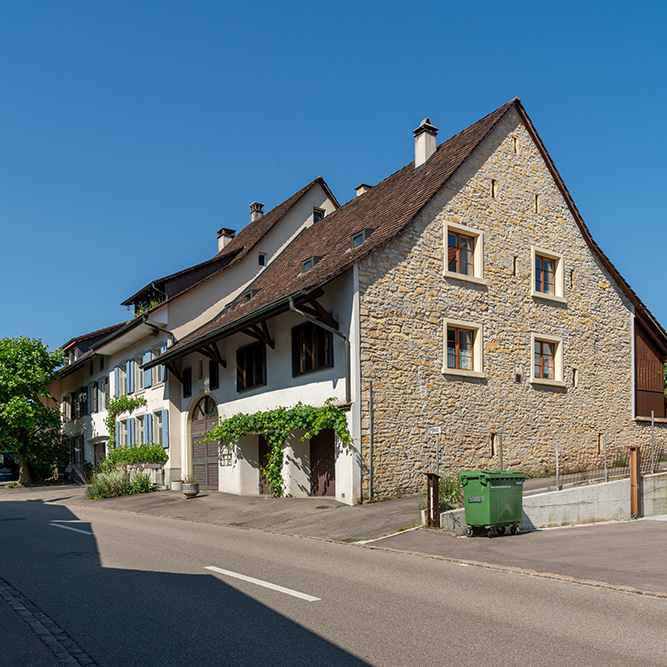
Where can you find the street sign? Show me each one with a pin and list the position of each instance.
(435, 430)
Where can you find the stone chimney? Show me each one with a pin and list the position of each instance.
(425, 144)
(256, 211)
(364, 187)
(224, 237)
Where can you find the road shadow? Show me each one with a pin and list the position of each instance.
(143, 617)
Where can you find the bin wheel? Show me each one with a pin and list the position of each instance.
(500, 530)
(469, 531)
(489, 532)
(514, 529)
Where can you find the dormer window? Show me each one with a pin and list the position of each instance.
(359, 237)
(308, 264)
(318, 214)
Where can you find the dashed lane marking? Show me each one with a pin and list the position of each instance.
(76, 530)
(265, 584)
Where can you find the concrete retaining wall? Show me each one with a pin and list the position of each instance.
(609, 501)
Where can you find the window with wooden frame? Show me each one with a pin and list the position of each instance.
(546, 360)
(312, 349)
(464, 255)
(463, 349)
(547, 275)
(213, 374)
(187, 382)
(250, 366)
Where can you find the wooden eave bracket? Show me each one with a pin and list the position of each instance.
(173, 370)
(260, 332)
(315, 309)
(212, 351)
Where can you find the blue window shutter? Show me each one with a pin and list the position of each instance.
(129, 376)
(147, 373)
(148, 427)
(115, 384)
(130, 432)
(165, 429)
(163, 370)
(118, 444)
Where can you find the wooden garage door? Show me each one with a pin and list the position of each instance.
(205, 454)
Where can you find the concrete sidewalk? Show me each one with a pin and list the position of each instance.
(309, 517)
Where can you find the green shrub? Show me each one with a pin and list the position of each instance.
(450, 491)
(135, 455)
(118, 483)
(141, 484)
(109, 485)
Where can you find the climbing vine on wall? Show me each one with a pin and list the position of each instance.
(116, 406)
(275, 426)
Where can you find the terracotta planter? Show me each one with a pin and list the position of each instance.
(190, 490)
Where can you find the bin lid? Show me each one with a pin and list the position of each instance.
(491, 474)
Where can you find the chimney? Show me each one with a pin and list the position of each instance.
(364, 187)
(424, 142)
(224, 237)
(256, 211)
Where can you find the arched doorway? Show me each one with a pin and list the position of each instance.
(204, 454)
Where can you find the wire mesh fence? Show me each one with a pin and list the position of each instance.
(612, 462)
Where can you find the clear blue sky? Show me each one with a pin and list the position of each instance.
(132, 131)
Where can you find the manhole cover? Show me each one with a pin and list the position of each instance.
(78, 554)
(14, 518)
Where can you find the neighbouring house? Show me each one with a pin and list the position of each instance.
(463, 291)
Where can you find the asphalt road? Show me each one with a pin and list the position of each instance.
(135, 590)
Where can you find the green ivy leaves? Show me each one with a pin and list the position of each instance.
(116, 406)
(275, 426)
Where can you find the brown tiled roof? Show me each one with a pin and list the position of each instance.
(386, 208)
(249, 236)
(246, 239)
(100, 333)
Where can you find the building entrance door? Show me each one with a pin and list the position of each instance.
(204, 454)
(323, 464)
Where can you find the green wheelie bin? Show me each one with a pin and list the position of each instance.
(492, 500)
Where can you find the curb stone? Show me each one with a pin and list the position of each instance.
(54, 637)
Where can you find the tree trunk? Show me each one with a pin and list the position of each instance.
(24, 470)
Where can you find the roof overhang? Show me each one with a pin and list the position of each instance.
(131, 333)
(272, 309)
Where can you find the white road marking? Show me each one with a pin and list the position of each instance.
(76, 530)
(266, 584)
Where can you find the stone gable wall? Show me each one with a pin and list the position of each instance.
(404, 299)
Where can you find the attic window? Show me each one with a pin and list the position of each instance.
(308, 264)
(318, 214)
(359, 237)
(261, 259)
(246, 296)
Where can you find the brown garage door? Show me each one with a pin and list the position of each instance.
(323, 464)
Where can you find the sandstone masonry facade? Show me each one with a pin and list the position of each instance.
(405, 300)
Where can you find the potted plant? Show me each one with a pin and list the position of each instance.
(190, 487)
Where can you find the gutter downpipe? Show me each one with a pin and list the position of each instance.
(326, 327)
(150, 325)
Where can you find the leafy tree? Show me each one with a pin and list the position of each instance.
(28, 426)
